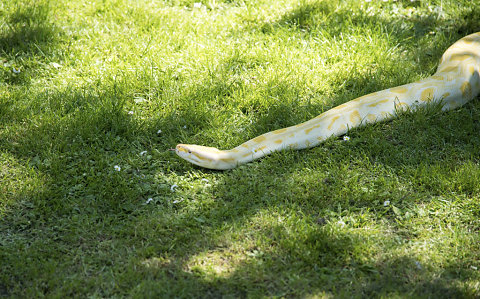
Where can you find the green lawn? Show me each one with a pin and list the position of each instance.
(93, 204)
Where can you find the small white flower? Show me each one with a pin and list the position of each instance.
(130, 112)
(178, 200)
(346, 138)
(386, 203)
(56, 65)
(174, 186)
(15, 70)
(473, 267)
(148, 200)
(159, 131)
(197, 5)
(206, 182)
(341, 223)
(117, 168)
(185, 127)
(143, 153)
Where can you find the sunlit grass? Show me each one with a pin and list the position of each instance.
(93, 204)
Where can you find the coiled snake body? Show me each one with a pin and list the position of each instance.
(455, 82)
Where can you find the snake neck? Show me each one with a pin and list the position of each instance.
(246, 152)
(293, 137)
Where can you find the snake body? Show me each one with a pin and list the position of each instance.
(455, 82)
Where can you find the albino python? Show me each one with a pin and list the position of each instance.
(456, 82)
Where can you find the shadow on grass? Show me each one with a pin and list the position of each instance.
(149, 251)
(27, 36)
(324, 18)
(26, 26)
(329, 17)
(152, 250)
(318, 259)
(283, 276)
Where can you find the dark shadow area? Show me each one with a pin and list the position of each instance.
(324, 18)
(407, 276)
(26, 26)
(119, 219)
(27, 36)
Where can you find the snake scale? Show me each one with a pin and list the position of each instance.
(455, 82)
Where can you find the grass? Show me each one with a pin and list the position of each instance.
(85, 87)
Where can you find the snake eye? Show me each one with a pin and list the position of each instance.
(189, 151)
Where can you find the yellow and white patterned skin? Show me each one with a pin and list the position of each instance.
(455, 83)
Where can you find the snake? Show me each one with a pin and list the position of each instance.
(455, 82)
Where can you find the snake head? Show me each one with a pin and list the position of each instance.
(204, 156)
